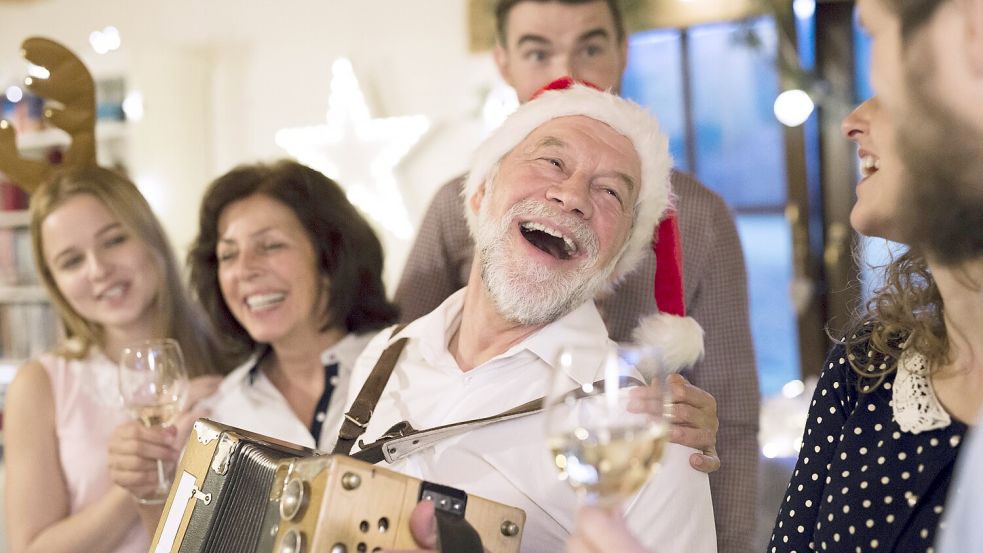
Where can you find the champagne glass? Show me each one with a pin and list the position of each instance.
(154, 385)
(607, 437)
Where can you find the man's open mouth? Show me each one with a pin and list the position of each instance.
(549, 240)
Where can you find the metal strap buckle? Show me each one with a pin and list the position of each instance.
(356, 422)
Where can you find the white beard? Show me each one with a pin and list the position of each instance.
(524, 291)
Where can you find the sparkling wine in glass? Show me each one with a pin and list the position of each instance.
(154, 385)
(607, 437)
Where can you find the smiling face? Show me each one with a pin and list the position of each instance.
(556, 219)
(268, 272)
(548, 40)
(927, 78)
(879, 191)
(105, 273)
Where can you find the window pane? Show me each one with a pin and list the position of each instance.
(654, 78)
(740, 154)
(740, 145)
(767, 243)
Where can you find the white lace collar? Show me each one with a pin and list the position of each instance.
(916, 407)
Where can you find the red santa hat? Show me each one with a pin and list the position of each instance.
(680, 337)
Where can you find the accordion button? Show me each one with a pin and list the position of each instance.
(293, 542)
(351, 481)
(509, 528)
(292, 500)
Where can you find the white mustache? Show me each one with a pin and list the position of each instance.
(583, 235)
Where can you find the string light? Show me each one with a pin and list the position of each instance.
(14, 94)
(793, 107)
(106, 40)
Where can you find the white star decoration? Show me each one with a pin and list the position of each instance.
(358, 151)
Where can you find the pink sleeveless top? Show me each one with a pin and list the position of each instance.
(87, 410)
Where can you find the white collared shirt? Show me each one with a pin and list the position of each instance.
(509, 461)
(247, 399)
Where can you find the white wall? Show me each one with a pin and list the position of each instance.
(219, 78)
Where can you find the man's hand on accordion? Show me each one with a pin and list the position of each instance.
(423, 526)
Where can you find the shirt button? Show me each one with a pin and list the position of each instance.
(320, 417)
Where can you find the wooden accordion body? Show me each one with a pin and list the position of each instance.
(235, 491)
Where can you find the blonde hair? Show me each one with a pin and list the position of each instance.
(906, 312)
(178, 317)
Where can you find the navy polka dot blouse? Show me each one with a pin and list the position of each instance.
(861, 483)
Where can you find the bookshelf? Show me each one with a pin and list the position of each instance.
(28, 325)
(111, 139)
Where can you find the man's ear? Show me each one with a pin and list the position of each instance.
(502, 62)
(474, 202)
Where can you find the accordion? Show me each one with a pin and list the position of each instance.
(235, 491)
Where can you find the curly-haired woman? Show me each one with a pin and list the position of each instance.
(892, 405)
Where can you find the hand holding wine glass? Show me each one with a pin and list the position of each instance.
(607, 437)
(154, 384)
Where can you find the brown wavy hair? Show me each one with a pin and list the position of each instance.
(178, 316)
(346, 248)
(906, 311)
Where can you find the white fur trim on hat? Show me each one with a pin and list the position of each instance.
(624, 116)
(680, 339)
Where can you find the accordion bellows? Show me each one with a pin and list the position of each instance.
(235, 491)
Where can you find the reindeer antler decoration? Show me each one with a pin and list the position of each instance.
(70, 86)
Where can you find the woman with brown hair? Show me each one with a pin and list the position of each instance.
(291, 276)
(110, 273)
(291, 273)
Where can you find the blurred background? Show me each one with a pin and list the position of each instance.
(751, 93)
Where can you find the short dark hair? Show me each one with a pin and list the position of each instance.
(347, 250)
(914, 13)
(503, 7)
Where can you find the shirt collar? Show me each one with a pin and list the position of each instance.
(343, 351)
(581, 327)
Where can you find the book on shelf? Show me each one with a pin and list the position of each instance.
(16, 258)
(27, 329)
(11, 196)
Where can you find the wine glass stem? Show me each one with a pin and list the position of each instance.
(161, 479)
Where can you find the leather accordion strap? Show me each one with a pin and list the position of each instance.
(357, 418)
(403, 440)
(455, 535)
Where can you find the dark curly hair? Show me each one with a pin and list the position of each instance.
(347, 250)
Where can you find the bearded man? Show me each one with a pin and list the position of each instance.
(561, 201)
(927, 70)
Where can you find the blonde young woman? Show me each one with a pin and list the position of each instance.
(112, 278)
